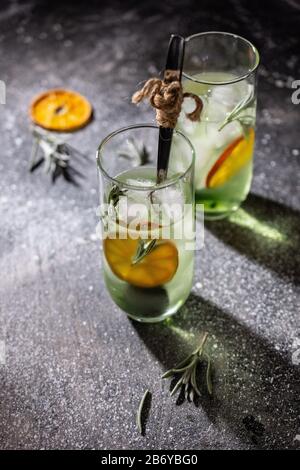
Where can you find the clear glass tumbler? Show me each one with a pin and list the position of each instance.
(148, 229)
(221, 69)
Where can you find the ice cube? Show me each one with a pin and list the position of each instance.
(221, 138)
(224, 98)
(215, 112)
(139, 182)
(168, 203)
(229, 95)
(205, 154)
(133, 205)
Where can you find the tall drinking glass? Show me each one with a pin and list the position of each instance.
(221, 69)
(147, 228)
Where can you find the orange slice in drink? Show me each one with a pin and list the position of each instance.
(155, 269)
(232, 160)
(60, 110)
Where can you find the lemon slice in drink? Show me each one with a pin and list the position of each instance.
(157, 268)
(231, 161)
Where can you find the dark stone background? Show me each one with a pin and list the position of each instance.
(76, 367)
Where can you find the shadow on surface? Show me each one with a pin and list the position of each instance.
(266, 232)
(254, 387)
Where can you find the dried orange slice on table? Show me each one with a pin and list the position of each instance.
(231, 161)
(60, 110)
(155, 269)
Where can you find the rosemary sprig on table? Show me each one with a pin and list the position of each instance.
(140, 412)
(188, 370)
(136, 151)
(55, 158)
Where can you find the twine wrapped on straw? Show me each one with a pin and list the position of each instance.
(167, 96)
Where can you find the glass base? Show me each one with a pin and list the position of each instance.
(170, 312)
(219, 215)
(144, 305)
(216, 210)
(148, 317)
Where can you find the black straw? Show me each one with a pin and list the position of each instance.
(174, 62)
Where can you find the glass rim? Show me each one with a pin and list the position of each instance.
(240, 77)
(166, 184)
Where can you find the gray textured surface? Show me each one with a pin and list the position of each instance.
(76, 368)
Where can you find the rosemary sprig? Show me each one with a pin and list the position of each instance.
(140, 412)
(136, 151)
(208, 375)
(188, 370)
(235, 114)
(143, 249)
(144, 246)
(115, 194)
(55, 156)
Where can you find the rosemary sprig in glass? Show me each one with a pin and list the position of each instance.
(144, 246)
(143, 249)
(138, 153)
(236, 113)
(188, 371)
(115, 194)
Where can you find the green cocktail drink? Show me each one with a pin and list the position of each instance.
(148, 228)
(224, 138)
